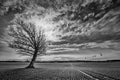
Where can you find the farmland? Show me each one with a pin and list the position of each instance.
(61, 71)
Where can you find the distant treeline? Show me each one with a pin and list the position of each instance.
(65, 61)
(75, 61)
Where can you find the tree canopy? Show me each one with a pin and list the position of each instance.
(26, 38)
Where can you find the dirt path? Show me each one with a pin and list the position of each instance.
(93, 75)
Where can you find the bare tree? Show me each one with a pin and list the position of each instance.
(27, 40)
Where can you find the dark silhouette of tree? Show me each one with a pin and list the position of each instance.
(27, 40)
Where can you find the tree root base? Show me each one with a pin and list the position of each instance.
(30, 67)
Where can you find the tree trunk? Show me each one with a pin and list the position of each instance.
(31, 65)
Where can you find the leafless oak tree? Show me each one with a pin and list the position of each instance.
(27, 40)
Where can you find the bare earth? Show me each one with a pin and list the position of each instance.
(61, 71)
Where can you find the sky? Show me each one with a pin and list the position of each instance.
(97, 39)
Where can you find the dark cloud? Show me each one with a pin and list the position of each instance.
(4, 22)
(105, 29)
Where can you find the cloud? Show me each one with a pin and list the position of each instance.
(105, 29)
(83, 39)
(104, 45)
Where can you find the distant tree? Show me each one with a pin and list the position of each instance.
(27, 40)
